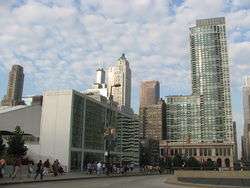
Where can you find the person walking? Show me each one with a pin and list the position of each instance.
(1, 169)
(89, 170)
(131, 166)
(46, 166)
(17, 168)
(103, 168)
(99, 168)
(55, 167)
(39, 170)
(30, 169)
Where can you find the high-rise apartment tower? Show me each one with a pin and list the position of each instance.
(210, 78)
(15, 87)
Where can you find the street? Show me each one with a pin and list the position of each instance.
(121, 182)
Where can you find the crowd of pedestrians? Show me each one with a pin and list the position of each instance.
(106, 168)
(33, 171)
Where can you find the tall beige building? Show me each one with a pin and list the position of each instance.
(120, 74)
(149, 93)
(246, 111)
(15, 87)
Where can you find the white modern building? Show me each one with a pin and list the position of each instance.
(73, 126)
(28, 118)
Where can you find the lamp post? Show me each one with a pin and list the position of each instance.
(108, 135)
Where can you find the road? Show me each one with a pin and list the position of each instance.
(121, 182)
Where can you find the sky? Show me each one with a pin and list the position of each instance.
(61, 42)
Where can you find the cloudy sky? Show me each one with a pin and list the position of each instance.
(60, 42)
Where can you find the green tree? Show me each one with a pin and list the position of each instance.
(177, 161)
(16, 143)
(2, 145)
(149, 152)
(193, 162)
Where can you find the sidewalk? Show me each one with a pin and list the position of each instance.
(67, 177)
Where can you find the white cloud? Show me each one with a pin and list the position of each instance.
(59, 42)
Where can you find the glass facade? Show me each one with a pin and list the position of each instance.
(210, 78)
(89, 119)
(76, 158)
(205, 116)
(77, 121)
(94, 126)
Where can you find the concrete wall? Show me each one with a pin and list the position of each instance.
(28, 118)
(55, 126)
(212, 174)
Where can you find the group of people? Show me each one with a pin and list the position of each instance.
(103, 168)
(45, 169)
(42, 169)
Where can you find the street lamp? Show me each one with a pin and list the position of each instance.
(109, 132)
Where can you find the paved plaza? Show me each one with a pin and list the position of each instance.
(117, 182)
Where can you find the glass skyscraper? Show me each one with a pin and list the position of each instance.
(200, 124)
(210, 78)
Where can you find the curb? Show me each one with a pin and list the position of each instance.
(76, 178)
(194, 185)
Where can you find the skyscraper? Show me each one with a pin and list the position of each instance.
(153, 121)
(200, 125)
(210, 78)
(150, 92)
(246, 111)
(120, 74)
(15, 87)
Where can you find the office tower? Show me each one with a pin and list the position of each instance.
(150, 92)
(210, 78)
(246, 111)
(153, 121)
(120, 74)
(15, 87)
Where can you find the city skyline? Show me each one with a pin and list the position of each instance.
(44, 69)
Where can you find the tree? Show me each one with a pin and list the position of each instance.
(149, 152)
(2, 145)
(193, 162)
(178, 161)
(16, 143)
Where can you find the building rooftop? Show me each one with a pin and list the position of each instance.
(210, 21)
(4, 109)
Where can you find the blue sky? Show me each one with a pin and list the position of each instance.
(60, 42)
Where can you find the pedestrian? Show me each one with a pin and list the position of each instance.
(30, 168)
(103, 168)
(99, 167)
(93, 167)
(46, 167)
(131, 166)
(89, 171)
(1, 168)
(55, 167)
(39, 170)
(17, 168)
(60, 169)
